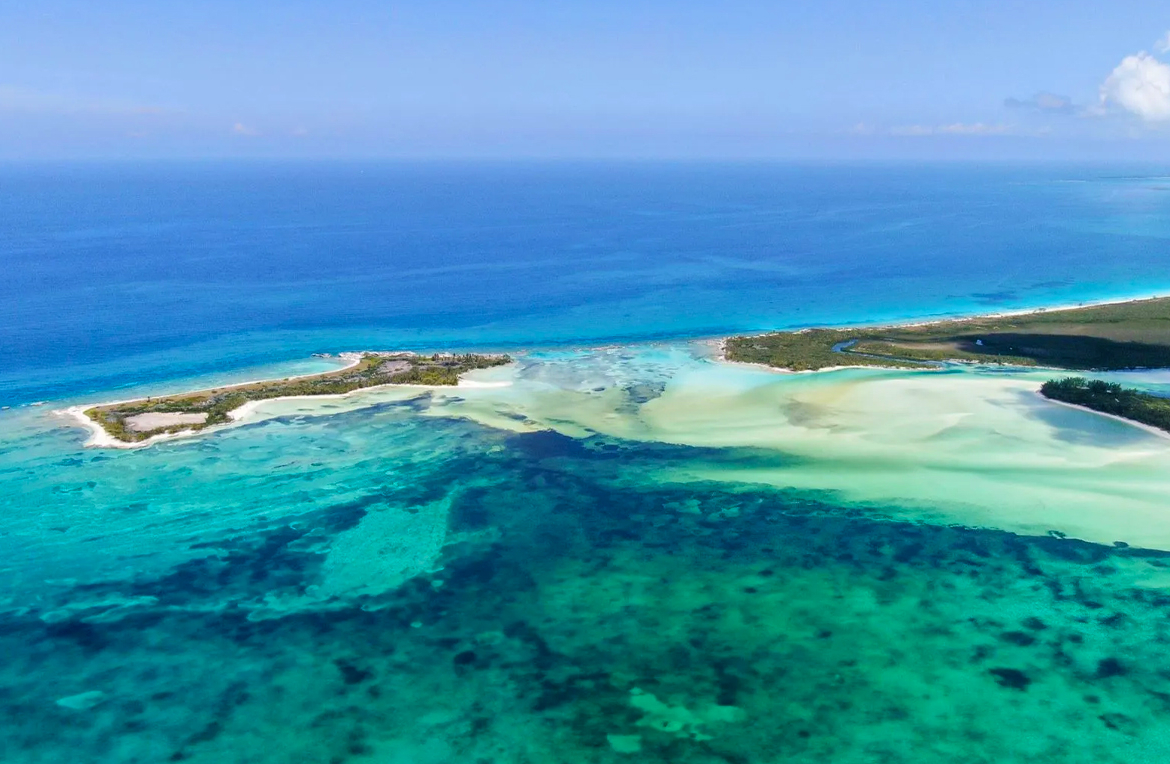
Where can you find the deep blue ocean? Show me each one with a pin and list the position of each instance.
(118, 274)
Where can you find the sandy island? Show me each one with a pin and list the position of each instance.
(99, 437)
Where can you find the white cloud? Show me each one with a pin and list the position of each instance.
(978, 128)
(23, 100)
(1141, 85)
(912, 130)
(956, 128)
(241, 129)
(1163, 45)
(1045, 102)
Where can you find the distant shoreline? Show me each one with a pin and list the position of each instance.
(910, 323)
(911, 345)
(1020, 311)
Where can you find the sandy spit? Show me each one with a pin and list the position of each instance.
(99, 438)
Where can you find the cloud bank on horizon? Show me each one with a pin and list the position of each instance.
(1139, 87)
(609, 79)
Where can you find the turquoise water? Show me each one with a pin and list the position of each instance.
(628, 552)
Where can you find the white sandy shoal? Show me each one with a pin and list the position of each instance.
(963, 447)
(253, 411)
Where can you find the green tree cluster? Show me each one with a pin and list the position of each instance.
(1110, 398)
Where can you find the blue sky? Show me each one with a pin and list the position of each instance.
(830, 79)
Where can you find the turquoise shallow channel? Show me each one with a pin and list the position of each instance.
(616, 549)
(623, 554)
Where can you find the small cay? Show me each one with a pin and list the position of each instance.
(138, 420)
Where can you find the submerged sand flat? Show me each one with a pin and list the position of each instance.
(969, 446)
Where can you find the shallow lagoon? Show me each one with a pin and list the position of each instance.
(973, 446)
(630, 553)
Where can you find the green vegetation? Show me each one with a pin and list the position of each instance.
(373, 369)
(806, 350)
(1105, 337)
(1110, 398)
